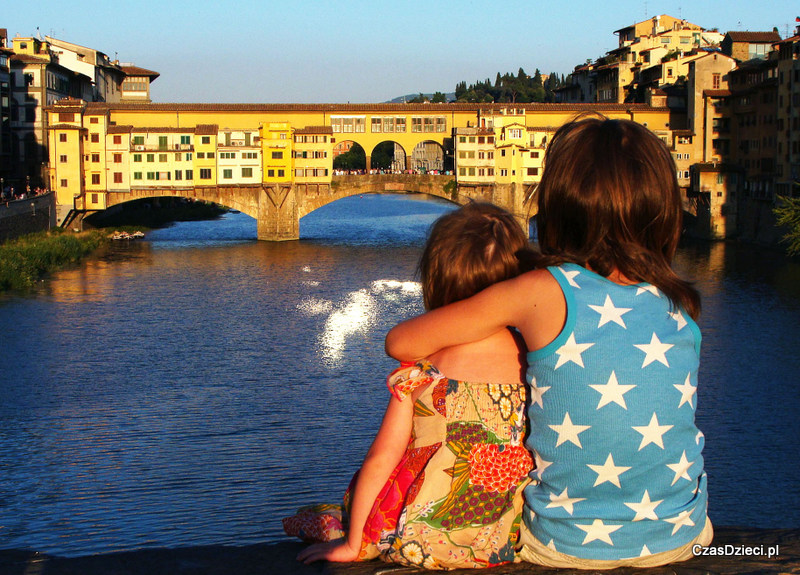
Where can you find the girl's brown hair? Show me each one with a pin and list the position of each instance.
(468, 250)
(609, 200)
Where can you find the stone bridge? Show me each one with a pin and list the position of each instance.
(278, 207)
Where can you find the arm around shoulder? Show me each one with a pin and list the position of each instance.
(509, 303)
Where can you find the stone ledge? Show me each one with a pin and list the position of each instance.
(279, 559)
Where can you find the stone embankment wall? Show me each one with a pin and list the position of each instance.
(735, 551)
(20, 217)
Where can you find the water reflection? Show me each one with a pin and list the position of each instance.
(184, 391)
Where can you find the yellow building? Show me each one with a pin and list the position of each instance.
(474, 157)
(276, 150)
(205, 155)
(239, 157)
(313, 154)
(129, 151)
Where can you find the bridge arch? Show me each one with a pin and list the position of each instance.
(428, 156)
(241, 198)
(388, 155)
(349, 155)
(278, 207)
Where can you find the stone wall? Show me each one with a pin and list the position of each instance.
(21, 217)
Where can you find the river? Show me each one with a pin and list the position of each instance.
(195, 387)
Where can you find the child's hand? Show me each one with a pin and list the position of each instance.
(337, 550)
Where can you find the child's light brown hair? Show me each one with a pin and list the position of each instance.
(468, 250)
(609, 199)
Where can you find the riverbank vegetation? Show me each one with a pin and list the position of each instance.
(787, 215)
(154, 213)
(25, 260)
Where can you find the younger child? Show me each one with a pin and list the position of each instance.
(613, 356)
(441, 486)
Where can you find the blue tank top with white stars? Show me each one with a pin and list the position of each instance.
(619, 471)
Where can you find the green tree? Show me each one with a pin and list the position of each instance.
(788, 216)
(382, 156)
(354, 159)
(439, 98)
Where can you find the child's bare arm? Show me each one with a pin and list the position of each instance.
(383, 456)
(532, 302)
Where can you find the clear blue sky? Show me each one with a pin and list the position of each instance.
(356, 51)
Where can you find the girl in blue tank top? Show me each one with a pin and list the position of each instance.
(613, 355)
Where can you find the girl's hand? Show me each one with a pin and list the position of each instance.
(337, 550)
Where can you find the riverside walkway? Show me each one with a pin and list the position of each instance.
(279, 559)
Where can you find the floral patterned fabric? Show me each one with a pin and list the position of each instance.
(455, 498)
(464, 505)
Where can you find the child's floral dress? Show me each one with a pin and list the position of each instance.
(455, 498)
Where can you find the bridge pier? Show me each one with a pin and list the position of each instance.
(278, 218)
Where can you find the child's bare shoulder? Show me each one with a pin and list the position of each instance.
(541, 307)
(537, 283)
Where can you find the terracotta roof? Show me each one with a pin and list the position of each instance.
(166, 130)
(717, 93)
(29, 59)
(66, 127)
(747, 36)
(791, 40)
(716, 167)
(136, 71)
(206, 129)
(364, 108)
(120, 129)
(314, 130)
(474, 131)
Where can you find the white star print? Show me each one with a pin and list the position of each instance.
(678, 317)
(698, 437)
(654, 351)
(537, 393)
(564, 500)
(541, 464)
(568, 431)
(687, 391)
(571, 351)
(571, 277)
(652, 432)
(645, 509)
(598, 531)
(608, 472)
(609, 313)
(648, 289)
(552, 545)
(612, 392)
(645, 551)
(682, 520)
(681, 468)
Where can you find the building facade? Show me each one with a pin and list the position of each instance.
(101, 150)
(42, 72)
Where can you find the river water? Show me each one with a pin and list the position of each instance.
(194, 388)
